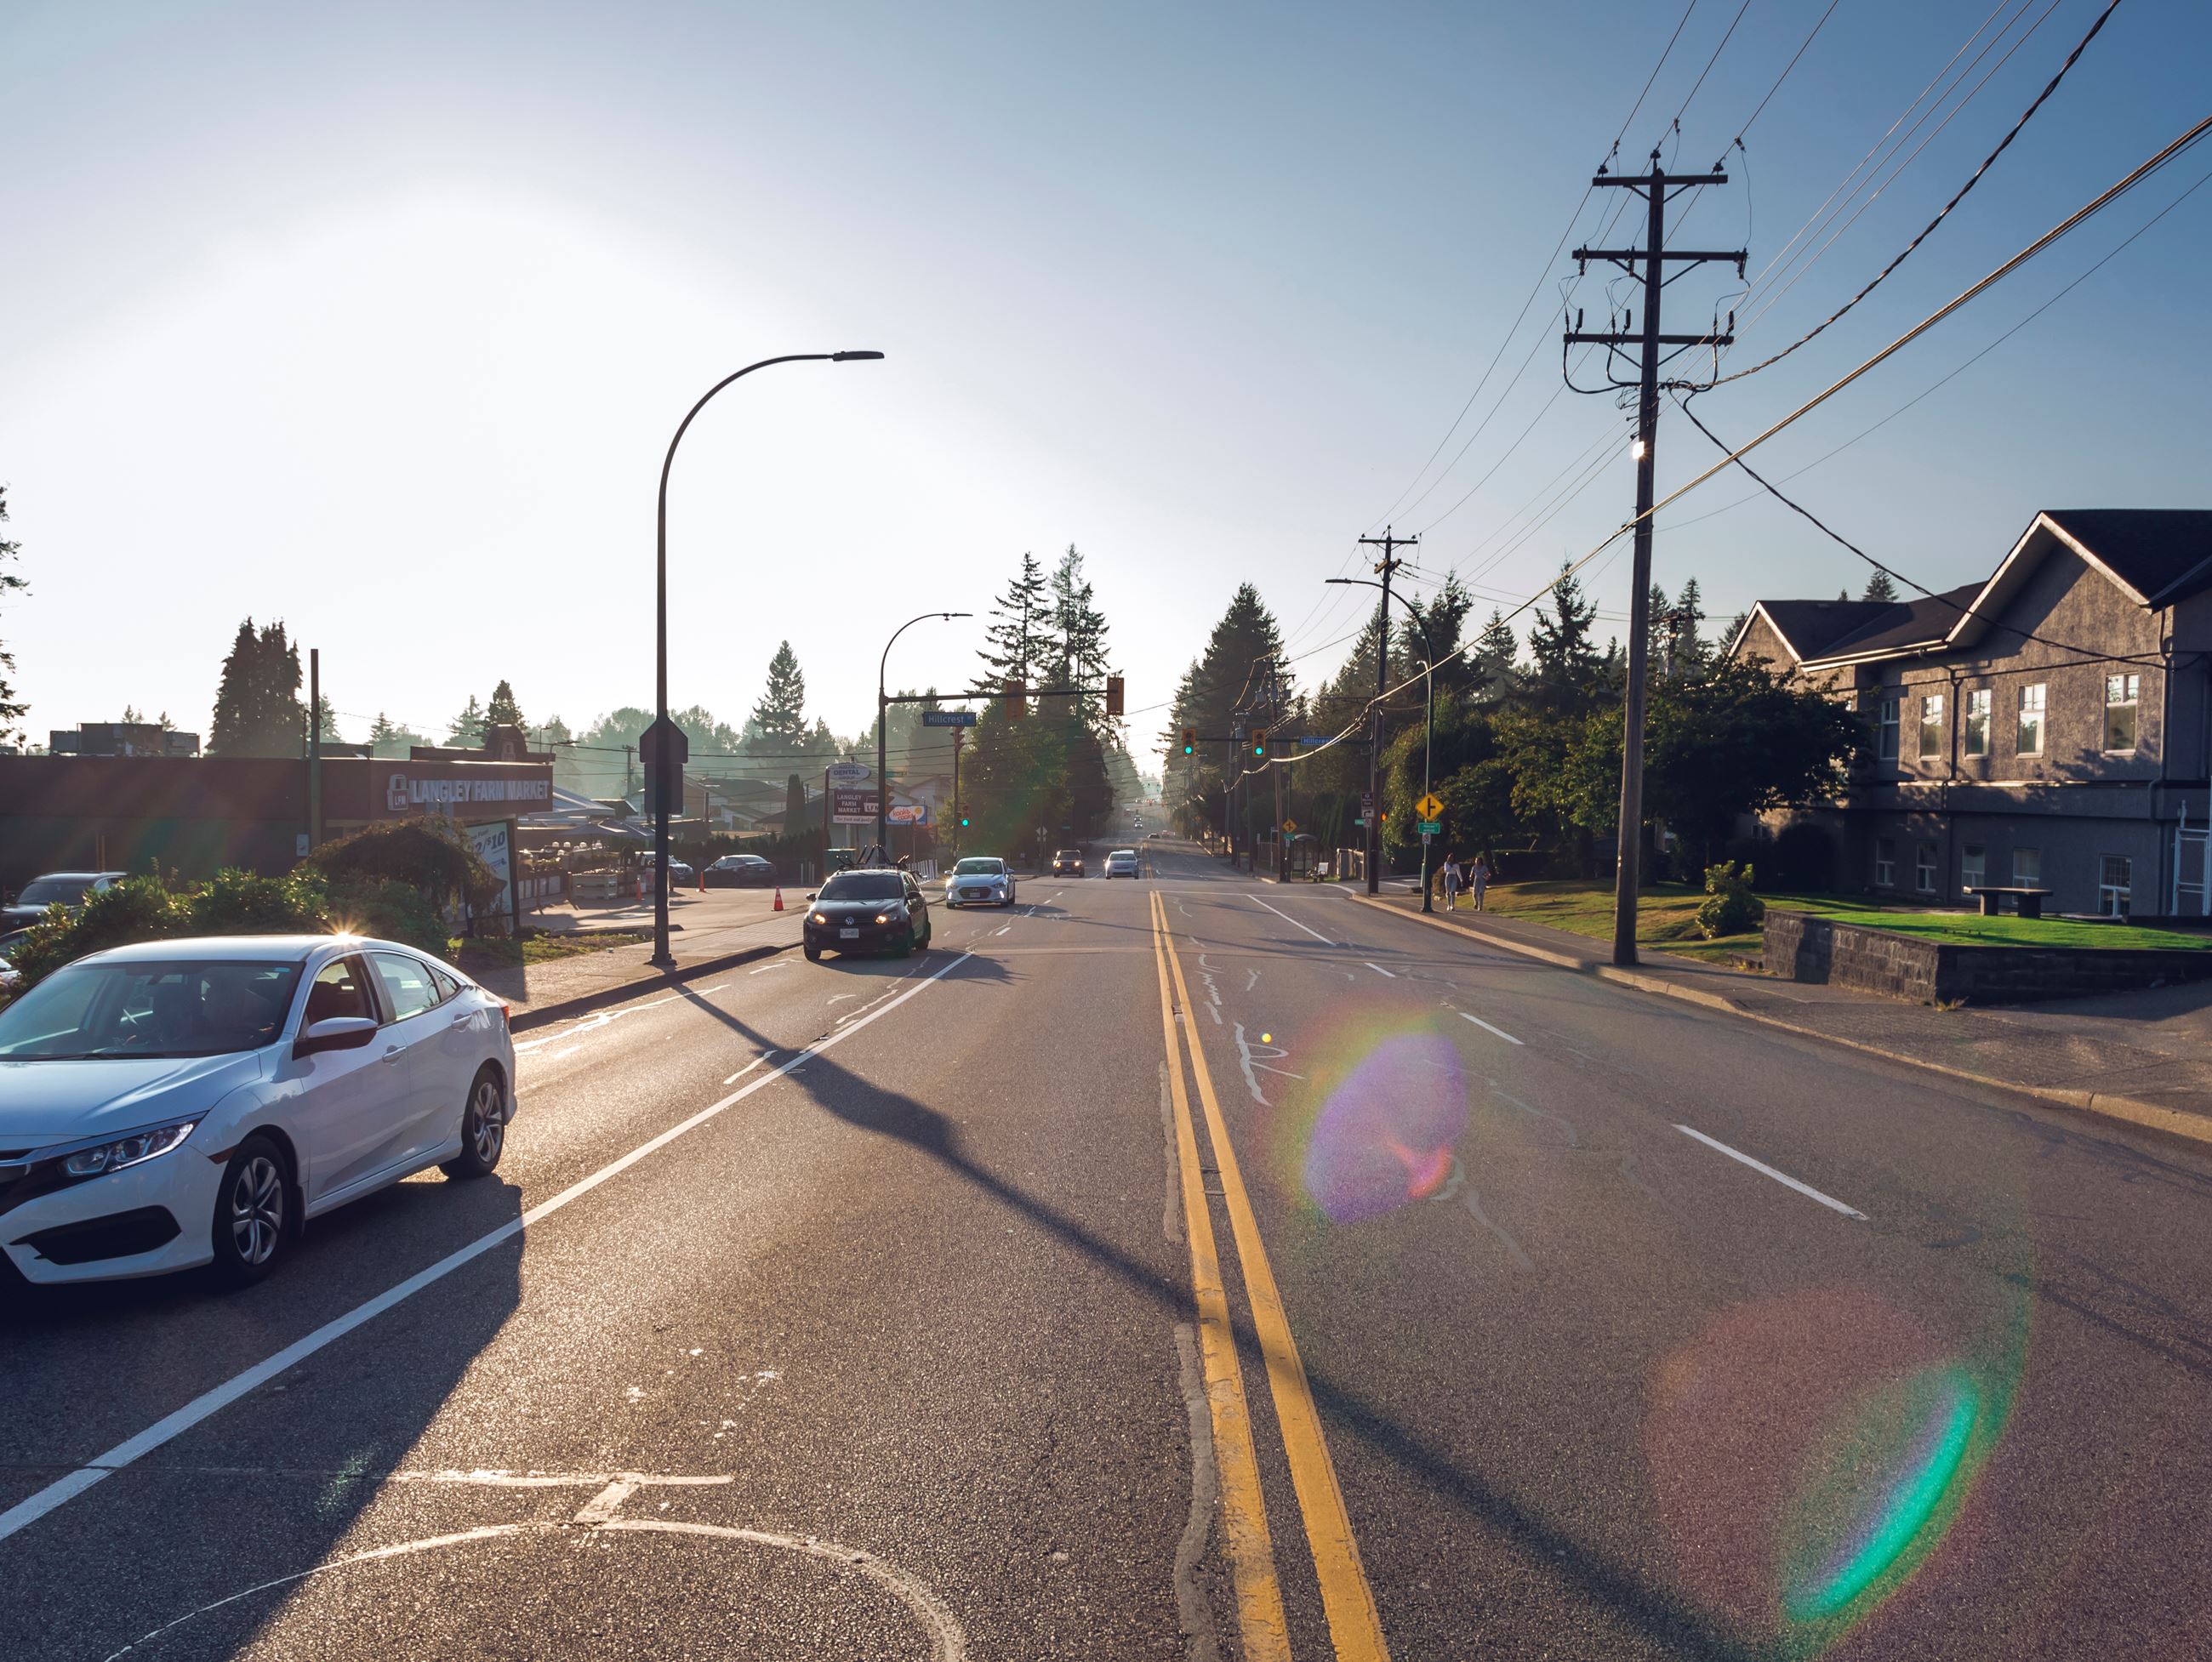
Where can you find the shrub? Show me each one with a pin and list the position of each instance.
(428, 854)
(137, 909)
(235, 903)
(389, 910)
(1729, 907)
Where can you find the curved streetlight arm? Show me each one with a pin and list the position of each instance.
(662, 958)
(1429, 693)
(883, 781)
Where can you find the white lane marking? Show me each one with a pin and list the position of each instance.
(1379, 970)
(1783, 1178)
(172, 1425)
(1287, 919)
(749, 1067)
(594, 1023)
(1487, 1028)
(781, 963)
(948, 1640)
(603, 1506)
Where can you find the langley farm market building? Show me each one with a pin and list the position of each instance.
(197, 815)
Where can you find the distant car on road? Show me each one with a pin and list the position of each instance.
(1121, 862)
(68, 889)
(179, 1103)
(740, 871)
(979, 880)
(873, 909)
(1068, 863)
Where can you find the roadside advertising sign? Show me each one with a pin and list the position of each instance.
(850, 807)
(847, 773)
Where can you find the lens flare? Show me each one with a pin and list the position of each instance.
(1385, 1132)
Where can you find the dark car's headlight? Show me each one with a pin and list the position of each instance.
(819, 918)
(113, 1154)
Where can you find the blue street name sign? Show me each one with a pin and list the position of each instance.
(948, 718)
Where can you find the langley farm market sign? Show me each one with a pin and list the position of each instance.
(471, 792)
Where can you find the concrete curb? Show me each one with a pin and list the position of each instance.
(2110, 1105)
(624, 992)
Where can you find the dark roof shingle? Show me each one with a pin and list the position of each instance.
(2152, 549)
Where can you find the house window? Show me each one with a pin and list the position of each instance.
(1889, 725)
(1923, 867)
(1885, 863)
(2115, 875)
(1931, 726)
(1973, 866)
(2028, 737)
(2120, 692)
(2027, 868)
(1978, 722)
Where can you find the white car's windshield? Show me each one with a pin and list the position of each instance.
(89, 1011)
(979, 868)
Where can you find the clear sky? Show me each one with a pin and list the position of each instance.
(378, 317)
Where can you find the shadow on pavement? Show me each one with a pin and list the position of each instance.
(1654, 1610)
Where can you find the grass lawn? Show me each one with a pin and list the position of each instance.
(1667, 914)
(504, 951)
(1970, 929)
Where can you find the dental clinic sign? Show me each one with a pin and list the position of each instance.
(471, 792)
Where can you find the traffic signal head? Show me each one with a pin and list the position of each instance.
(1114, 696)
(1189, 741)
(963, 821)
(1260, 741)
(1017, 699)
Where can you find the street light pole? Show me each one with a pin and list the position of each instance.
(1429, 688)
(883, 708)
(662, 958)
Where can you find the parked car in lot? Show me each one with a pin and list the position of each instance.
(1121, 862)
(1068, 863)
(979, 880)
(872, 909)
(62, 888)
(740, 871)
(180, 1103)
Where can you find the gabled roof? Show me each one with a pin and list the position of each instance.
(1810, 628)
(2154, 557)
(1917, 625)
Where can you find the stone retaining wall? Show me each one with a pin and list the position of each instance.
(1806, 948)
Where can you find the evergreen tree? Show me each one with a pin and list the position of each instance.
(1231, 675)
(1567, 670)
(777, 725)
(1880, 587)
(258, 711)
(11, 711)
(795, 802)
(1497, 654)
(1079, 632)
(502, 709)
(467, 732)
(1015, 641)
(326, 719)
(1688, 639)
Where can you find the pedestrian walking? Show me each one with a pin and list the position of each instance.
(1478, 879)
(1451, 882)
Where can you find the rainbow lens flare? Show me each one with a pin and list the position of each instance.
(1385, 1132)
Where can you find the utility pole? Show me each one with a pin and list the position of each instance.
(1657, 186)
(314, 748)
(958, 734)
(1390, 543)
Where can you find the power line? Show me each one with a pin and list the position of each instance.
(1745, 126)
(1725, 37)
(2087, 655)
(1988, 162)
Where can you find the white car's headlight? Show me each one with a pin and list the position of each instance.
(112, 1157)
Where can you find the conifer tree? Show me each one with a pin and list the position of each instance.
(504, 711)
(258, 711)
(1567, 670)
(467, 731)
(1880, 587)
(1014, 641)
(777, 725)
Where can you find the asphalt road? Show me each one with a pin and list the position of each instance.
(913, 1349)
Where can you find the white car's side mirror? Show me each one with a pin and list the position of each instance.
(335, 1033)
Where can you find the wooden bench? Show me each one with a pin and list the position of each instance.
(2029, 901)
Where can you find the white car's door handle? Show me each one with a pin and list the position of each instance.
(393, 1053)
(463, 1020)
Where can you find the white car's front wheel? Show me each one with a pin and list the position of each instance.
(254, 1222)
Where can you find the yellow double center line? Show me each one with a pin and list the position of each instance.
(1355, 1628)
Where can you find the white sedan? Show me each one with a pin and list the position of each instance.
(979, 880)
(1121, 862)
(180, 1103)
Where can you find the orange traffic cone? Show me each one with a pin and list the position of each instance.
(703, 878)
(779, 897)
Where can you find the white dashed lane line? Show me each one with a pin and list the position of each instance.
(1487, 1028)
(1783, 1178)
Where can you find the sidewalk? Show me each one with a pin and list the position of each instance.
(708, 932)
(2071, 1055)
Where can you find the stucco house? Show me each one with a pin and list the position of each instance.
(2050, 727)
